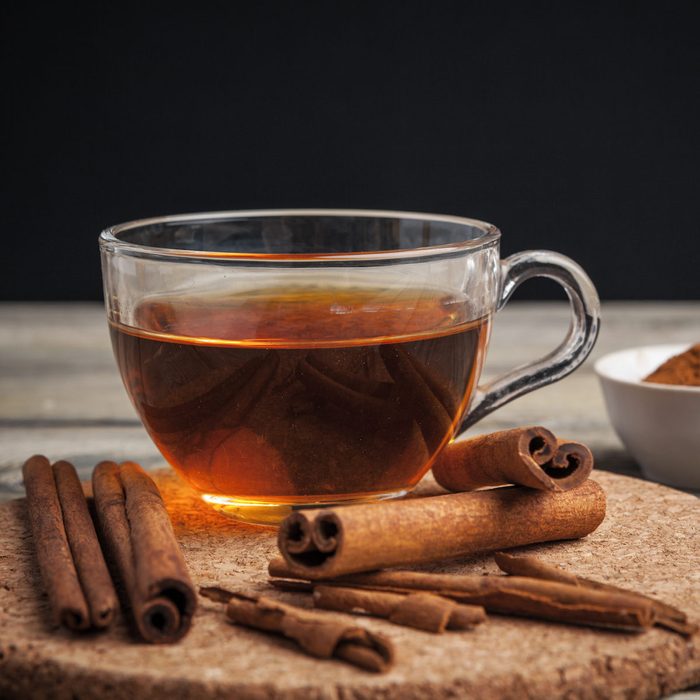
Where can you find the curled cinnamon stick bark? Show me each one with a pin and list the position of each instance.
(423, 611)
(533, 568)
(316, 634)
(664, 615)
(141, 544)
(331, 542)
(571, 464)
(73, 570)
(508, 456)
(524, 456)
(510, 595)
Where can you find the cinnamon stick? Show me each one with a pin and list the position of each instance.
(73, 570)
(331, 542)
(664, 615)
(530, 456)
(141, 544)
(317, 634)
(533, 568)
(509, 595)
(423, 611)
(90, 564)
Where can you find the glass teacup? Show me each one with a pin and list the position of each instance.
(283, 359)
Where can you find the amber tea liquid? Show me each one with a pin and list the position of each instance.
(303, 395)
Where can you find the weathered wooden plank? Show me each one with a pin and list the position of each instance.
(60, 391)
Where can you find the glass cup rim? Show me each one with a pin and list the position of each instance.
(109, 237)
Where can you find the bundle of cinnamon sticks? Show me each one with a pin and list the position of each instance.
(135, 534)
(532, 588)
(438, 602)
(340, 554)
(554, 500)
(318, 635)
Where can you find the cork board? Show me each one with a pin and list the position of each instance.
(649, 541)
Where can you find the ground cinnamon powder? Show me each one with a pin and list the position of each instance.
(680, 369)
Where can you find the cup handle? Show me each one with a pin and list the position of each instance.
(579, 341)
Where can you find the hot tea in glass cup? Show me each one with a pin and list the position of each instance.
(283, 359)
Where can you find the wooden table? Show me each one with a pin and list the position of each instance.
(60, 393)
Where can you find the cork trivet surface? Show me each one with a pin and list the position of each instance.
(649, 542)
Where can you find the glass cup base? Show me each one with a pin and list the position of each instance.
(271, 514)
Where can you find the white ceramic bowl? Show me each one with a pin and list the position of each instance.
(658, 423)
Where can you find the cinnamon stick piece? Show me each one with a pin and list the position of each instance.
(73, 570)
(423, 611)
(141, 544)
(319, 544)
(317, 634)
(524, 456)
(571, 464)
(90, 564)
(509, 595)
(664, 615)
(533, 568)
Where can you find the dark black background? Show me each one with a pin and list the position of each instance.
(571, 125)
